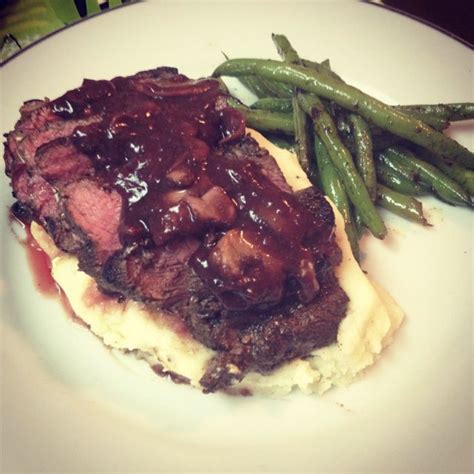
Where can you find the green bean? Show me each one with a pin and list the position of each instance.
(380, 141)
(358, 224)
(334, 189)
(384, 141)
(326, 63)
(321, 68)
(458, 173)
(341, 120)
(393, 180)
(364, 156)
(450, 112)
(341, 158)
(275, 122)
(405, 206)
(285, 50)
(278, 89)
(331, 183)
(345, 126)
(401, 168)
(461, 175)
(246, 81)
(389, 118)
(302, 122)
(254, 85)
(441, 185)
(265, 121)
(430, 118)
(273, 104)
(437, 123)
(304, 150)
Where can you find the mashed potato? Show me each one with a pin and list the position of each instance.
(372, 318)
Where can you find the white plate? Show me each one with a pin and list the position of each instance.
(68, 404)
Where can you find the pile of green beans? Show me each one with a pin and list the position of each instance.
(362, 153)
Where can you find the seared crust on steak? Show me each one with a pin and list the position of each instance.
(151, 227)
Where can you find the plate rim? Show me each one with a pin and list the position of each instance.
(389, 8)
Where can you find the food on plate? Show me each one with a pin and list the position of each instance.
(372, 318)
(177, 235)
(357, 138)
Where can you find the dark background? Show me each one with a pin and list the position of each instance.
(456, 17)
